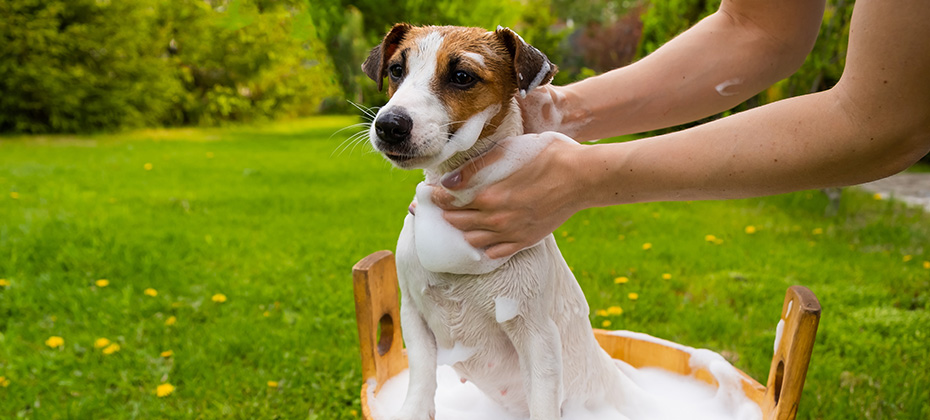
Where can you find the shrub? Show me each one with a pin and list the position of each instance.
(81, 65)
(88, 65)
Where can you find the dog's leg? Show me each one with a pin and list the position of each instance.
(421, 352)
(539, 346)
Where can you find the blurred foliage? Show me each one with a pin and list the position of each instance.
(87, 65)
(76, 65)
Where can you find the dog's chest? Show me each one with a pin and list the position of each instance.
(460, 309)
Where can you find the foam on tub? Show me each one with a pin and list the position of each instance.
(662, 395)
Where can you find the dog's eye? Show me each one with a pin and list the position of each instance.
(397, 71)
(462, 79)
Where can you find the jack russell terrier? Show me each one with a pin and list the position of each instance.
(517, 328)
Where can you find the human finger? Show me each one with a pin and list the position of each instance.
(503, 250)
(481, 238)
(461, 177)
(465, 220)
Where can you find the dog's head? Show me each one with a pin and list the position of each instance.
(439, 79)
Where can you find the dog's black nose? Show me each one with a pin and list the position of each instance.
(394, 127)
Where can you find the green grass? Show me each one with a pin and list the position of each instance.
(274, 217)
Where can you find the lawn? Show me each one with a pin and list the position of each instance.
(227, 256)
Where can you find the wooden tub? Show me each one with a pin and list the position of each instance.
(377, 309)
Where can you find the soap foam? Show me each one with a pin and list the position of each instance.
(662, 395)
(505, 309)
(779, 329)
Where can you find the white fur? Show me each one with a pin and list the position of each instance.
(519, 331)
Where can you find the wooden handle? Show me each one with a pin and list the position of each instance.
(800, 316)
(377, 311)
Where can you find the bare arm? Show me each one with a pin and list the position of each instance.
(873, 123)
(726, 58)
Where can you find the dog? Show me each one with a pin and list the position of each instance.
(517, 328)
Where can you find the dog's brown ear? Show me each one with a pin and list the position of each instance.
(532, 67)
(374, 65)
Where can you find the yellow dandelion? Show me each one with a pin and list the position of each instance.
(219, 298)
(927, 265)
(710, 238)
(112, 348)
(266, 314)
(666, 276)
(101, 343)
(147, 166)
(151, 292)
(647, 246)
(102, 283)
(171, 320)
(817, 231)
(164, 390)
(606, 323)
(750, 229)
(564, 233)
(4, 382)
(614, 310)
(209, 155)
(272, 384)
(167, 353)
(600, 312)
(907, 258)
(633, 296)
(4, 283)
(14, 195)
(55, 341)
(621, 280)
(878, 196)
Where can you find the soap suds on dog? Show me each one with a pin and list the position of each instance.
(505, 309)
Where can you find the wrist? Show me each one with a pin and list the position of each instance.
(604, 175)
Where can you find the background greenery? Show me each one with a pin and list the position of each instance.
(274, 216)
(101, 65)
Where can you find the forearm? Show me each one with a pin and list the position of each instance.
(806, 142)
(721, 61)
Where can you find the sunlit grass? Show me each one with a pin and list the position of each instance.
(227, 253)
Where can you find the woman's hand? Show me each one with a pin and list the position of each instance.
(520, 210)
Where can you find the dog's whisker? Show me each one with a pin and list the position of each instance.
(364, 125)
(352, 141)
(369, 112)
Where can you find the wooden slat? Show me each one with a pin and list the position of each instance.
(793, 354)
(377, 304)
